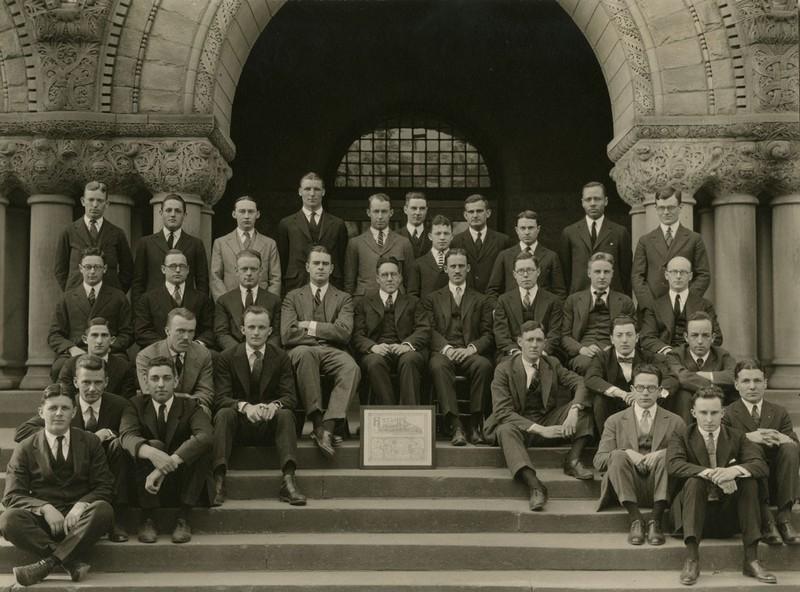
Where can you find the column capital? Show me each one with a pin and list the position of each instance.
(733, 199)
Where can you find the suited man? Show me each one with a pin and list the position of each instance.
(699, 363)
(153, 307)
(316, 325)
(632, 452)
(57, 493)
(481, 243)
(308, 227)
(538, 402)
(150, 251)
(429, 273)
(461, 341)
(526, 302)
(770, 426)
(502, 271)
(391, 333)
(713, 472)
(231, 306)
(245, 236)
(662, 244)
(664, 323)
(120, 372)
(92, 230)
(364, 250)
(194, 375)
(170, 440)
(415, 209)
(586, 325)
(593, 234)
(93, 298)
(255, 405)
(610, 375)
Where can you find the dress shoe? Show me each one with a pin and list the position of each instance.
(636, 533)
(788, 533)
(182, 532)
(459, 437)
(147, 532)
(33, 573)
(754, 569)
(690, 572)
(476, 437)
(654, 534)
(323, 440)
(219, 489)
(770, 534)
(575, 468)
(538, 499)
(117, 534)
(290, 492)
(336, 440)
(77, 570)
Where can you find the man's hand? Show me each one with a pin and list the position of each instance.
(728, 487)
(649, 460)
(253, 413)
(382, 349)
(105, 434)
(620, 394)
(76, 351)
(458, 354)
(761, 437)
(722, 475)
(636, 457)
(784, 439)
(304, 325)
(568, 427)
(709, 376)
(401, 348)
(268, 410)
(153, 481)
(72, 517)
(590, 351)
(54, 519)
(549, 432)
(162, 461)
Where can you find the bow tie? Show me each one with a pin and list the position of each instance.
(622, 360)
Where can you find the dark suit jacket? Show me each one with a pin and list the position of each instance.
(476, 318)
(719, 361)
(232, 379)
(150, 314)
(410, 321)
(31, 483)
(550, 276)
(363, 254)
(509, 392)
(189, 432)
(111, 409)
(659, 321)
(73, 313)
(421, 245)
(228, 317)
(197, 377)
(652, 256)
(576, 316)
(508, 319)
(294, 242)
(773, 417)
(481, 264)
(111, 240)
(426, 277)
(150, 252)
(121, 374)
(575, 249)
(299, 306)
(605, 371)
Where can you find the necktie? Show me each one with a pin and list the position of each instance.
(599, 303)
(416, 234)
(380, 239)
(622, 360)
(162, 421)
(441, 260)
(711, 447)
(92, 296)
(91, 423)
(176, 295)
(526, 302)
(668, 236)
(479, 242)
(644, 425)
(756, 415)
(313, 221)
(700, 363)
(93, 232)
(178, 364)
(389, 305)
(676, 310)
(594, 233)
(248, 299)
(60, 459)
(318, 297)
(171, 241)
(247, 240)
(255, 373)
(458, 295)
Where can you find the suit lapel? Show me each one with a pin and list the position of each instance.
(698, 446)
(241, 366)
(42, 457)
(659, 427)
(149, 418)
(83, 232)
(266, 373)
(399, 306)
(103, 296)
(613, 366)
(302, 224)
(630, 431)
(767, 414)
(604, 233)
(583, 309)
(520, 387)
(585, 236)
(80, 300)
(173, 418)
(665, 311)
(232, 240)
(614, 303)
(78, 451)
(681, 236)
(330, 304)
(516, 306)
(724, 445)
(546, 376)
(659, 243)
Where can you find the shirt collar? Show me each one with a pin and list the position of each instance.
(96, 287)
(684, 297)
(453, 287)
(241, 232)
(673, 226)
(599, 223)
(167, 232)
(307, 213)
(385, 295)
(704, 433)
(531, 247)
(639, 411)
(619, 355)
(314, 289)
(530, 370)
(750, 406)
(474, 234)
(98, 222)
(173, 353)
(244, 290)
(51, 441)
(412, 229)
(374, 232)
(171, 287)
(533, 291)
(156, 405)
(250, 351)
(85, 406)
(594, 298)
(435, 252)
(696, 358)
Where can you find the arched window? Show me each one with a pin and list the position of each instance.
(413, 153)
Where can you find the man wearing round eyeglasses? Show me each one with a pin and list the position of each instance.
(633, 450)
(662, 244)
(151, 310)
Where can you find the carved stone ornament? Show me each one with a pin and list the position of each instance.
(209, 58)
(768, 21)
(776, 77)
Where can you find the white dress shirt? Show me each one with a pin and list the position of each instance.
(85, 409)
(312, 327)
(176, 233)
(531, 247)
(673, 227)
(168, 404)
(598, 223)
(639, 412)
(253, 290)
(88, 221)
(53, 443)
(419, 230)
(307, 214)
(475, 234)
(684, 295)
(530, 371)
(87, 288)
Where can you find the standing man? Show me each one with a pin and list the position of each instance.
(502, 270)
(55, 506)
(429, 273)
(364, 250)
(92, 230)
(481, 243)
(416, 209)
(307, 228)
(150, 251)
(595, 234)
(245, 236)
(316, 324)
(661, 245)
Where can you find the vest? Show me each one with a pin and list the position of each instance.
(646, 440)
(534, 407)
(388, 329)
(679, 329)
(314, 233)
(598, 328)
(455, 327)
(64, 473)
(527, 313)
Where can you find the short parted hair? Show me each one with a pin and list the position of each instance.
(668, 192)
(748, 364)
(245, 198)
(55, 390)
(475, 197)
(439, 220)
(312, 176)
(160, 361)
(95, 321)
(318, 249)
(184, 313)
(249, 253)
(174, 197)
(455, 251)
(700, 315)
(386, 259)
(378, 197)
(528, 215)
(415, 195)
(711, 391)
(646, 369)
(591, 184)
(529, 326)
(175, 252)
(89, 362)
(93, 252)
(96, 186)
(524, 256)
(601, 256)
(621, 320)
(256, 310)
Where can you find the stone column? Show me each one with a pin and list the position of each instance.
(7, 381)
(735, 272)
(707, 232)
(50, 214)
(765, 295)
(193, 221)
(119, 212)
(637, 223)
(206, 231)
(786, 295)
(687, 210)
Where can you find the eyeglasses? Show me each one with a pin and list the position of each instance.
(177, 266)
(388, 274)
(92, 267)
(526, 271)
(650, 388)
(666, 208)
(678, 272)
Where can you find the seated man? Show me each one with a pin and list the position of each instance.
(391, 334)
(633, 451)
(255, 404)
(151, 310)
(713, 471)
(461, 340)
(120, 373)
(194, 371)
(170, 440)
(316, 323)
(526, 302)
(664, 324)
(698, 363)
(92, 298)
(770, 426)
(56, 508)
(429, 273)
(586, 325)
(231, 305)
(530, 409)
(610, 374)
